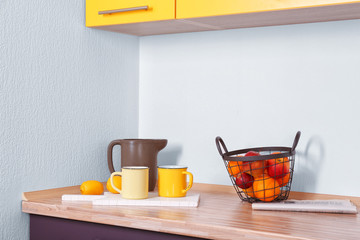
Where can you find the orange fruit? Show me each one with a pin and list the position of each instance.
(266, 188)
(283, 180)
(117, 183)
(234, 167)
(249, 191)
(254, 168)
(91, 187)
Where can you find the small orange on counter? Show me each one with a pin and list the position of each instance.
(91, 187)
(117, 183)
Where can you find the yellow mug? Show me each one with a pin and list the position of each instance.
(172, 181)
(134, 182)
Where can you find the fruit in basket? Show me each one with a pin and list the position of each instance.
(234, 167)
(244, 180)
(266, 188)
(278, 167)
(249, 191)
(252, 153)
(254, 168)
(91, 187)
(283, 180)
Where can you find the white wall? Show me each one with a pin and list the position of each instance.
(257, 87)
(65, 92)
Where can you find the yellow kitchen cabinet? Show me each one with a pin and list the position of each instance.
(151, 17)
(111, 12)
(136, 17)
(206, 8)
(227, 14)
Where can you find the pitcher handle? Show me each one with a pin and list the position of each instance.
(110, 154)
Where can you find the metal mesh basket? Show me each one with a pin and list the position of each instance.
(260, 173)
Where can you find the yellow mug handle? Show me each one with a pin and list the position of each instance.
(112, 182)
(190, 181)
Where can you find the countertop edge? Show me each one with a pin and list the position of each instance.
(46, 203)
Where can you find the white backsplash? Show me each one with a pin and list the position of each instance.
(257, 87)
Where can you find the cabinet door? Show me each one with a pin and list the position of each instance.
(207, 8)
(111, 12)
(43, 227)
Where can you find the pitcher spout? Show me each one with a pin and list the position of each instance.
(161, 144)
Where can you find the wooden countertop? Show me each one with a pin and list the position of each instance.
(220, 215)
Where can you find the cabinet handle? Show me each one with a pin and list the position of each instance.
(124, 10)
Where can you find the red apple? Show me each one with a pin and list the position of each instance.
(254, 168)
(244, 180)
(278, 167)
(252, 153)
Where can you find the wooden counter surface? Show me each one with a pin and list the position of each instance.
(220, 215)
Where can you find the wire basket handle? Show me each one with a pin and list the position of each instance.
(219, 141)
(296, 141)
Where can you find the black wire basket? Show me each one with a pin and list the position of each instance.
(261, 173)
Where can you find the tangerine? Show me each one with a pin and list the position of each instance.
(92, 187)
(266, 188)
(283, 180)
(249, 191)
(117, 183)
(234, 167)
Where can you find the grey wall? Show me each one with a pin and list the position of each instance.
(257, 87)
(65, 92)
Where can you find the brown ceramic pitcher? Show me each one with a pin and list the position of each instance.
(138, 152)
